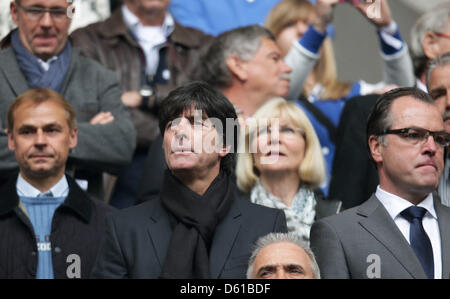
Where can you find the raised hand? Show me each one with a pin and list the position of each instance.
(324, 13)
(376, 11)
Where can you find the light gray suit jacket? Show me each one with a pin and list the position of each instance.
(350, 244)
(90, 88)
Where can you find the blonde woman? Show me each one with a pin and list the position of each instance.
(282, 164)
(300, 30)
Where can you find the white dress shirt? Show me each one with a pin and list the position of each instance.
(60, 189)
(150, 38)
(395, 205)
(46, 64)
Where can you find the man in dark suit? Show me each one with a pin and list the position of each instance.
(197, 227)
(49, 227)
(402, 231)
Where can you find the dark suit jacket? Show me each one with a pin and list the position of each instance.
(345, 244)
(78, 225)
(354, 177)
(137, 240)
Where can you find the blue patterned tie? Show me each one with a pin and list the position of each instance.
(418, 238)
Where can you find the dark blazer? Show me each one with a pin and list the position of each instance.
(345, 244)
(137, 240)
(77, 227)
(354, 177)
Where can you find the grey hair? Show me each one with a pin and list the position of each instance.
(274, 238)
(435, 20)
(442, 60)
(242, 42)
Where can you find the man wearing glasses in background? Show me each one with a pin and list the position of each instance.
(39, 55)
(438, 83)
(402, 231)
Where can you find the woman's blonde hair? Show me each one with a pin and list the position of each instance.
(287, 13)
(312, 168)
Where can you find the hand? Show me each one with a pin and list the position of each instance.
(324, 14)
(102, 118)
(377, 12)
(131, 99)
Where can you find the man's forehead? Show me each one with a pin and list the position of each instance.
(47, 3)
(268, 46)
(191, 112)
(286, 250)
(408, 111)
(31, 110)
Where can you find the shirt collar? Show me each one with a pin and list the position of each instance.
(60, 189)
(395, 204)
(132, 21)
(46, 64)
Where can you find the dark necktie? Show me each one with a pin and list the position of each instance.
(418, 238)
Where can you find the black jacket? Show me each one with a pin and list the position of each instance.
(354, 177)
(137, 240)
(77, 228)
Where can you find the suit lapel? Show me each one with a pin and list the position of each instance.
(224, 238)
(159, 231)
(444, 229)
(379, 223)
(12, 72)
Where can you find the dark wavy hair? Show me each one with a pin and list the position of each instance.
(213, 104)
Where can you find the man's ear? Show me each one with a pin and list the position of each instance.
(376, 148)
(14, 12)
(10, 141)
(237, 67)
(73, 138)
(430, 44)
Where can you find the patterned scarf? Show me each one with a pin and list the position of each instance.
(36, 76)
(299, 216)
(194, 219)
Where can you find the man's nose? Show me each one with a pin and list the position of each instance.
(286, 68)
(448, 100)
(430, 145)
(40, 138)
(281, 275)
(46, 20)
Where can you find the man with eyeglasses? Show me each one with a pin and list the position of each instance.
(402, 231)
(38, 54)
(438, 83)
(353, 177)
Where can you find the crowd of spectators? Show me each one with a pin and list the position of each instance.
(214, 139)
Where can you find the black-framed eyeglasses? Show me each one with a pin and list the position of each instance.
(36, 12)
(419, 135)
